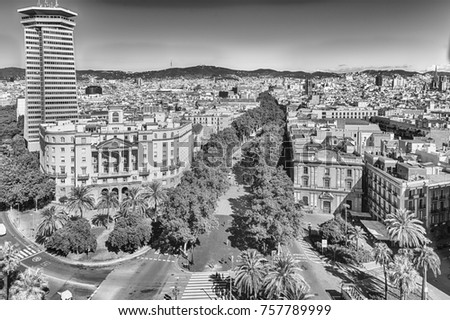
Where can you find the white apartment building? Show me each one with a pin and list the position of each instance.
(116, 154)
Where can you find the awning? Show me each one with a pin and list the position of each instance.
(360, 215)
(376, 229)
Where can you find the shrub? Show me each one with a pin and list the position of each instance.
(130, 233)
(76, 237)
(349, 255)
(63, 199)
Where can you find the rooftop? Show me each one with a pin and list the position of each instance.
(47, 11)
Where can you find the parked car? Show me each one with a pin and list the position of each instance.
(442, 244)
(2, 229)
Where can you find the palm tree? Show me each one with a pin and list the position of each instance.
(403, 275)
(298, 293)
(283, 277)
(54, 218)
(101, 220)
(107, 200)
(403, 227)
(30, 285)
(357, 234)
(155, 194)
(8, 264)
(80, 199)
(427, 259)
(134, 202)
(383, 256)
(250, 273)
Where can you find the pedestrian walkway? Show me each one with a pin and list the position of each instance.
(168, 259)
(25, 253)
(201, 286)
(308, 254)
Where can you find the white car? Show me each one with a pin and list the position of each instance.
(2, 229)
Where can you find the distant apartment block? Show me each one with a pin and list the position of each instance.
(326, 179)
(218, 122)
(420, 187)
(343, 113)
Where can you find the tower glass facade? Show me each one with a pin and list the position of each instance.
(51, 89)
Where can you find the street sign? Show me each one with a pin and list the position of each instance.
(324, 243)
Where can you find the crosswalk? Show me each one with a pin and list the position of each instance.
(205, 286)
(309, 254)
(24, 253)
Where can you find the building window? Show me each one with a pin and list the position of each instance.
(83, 140)
(63, 140)
(63, 159)
(305, 170)
(53, 139)
(349, 185)
(326, 183)
(349, 172)
(305, 201)
(144, 137)
(115, 117)
(83, 159)
(327, 171)
(305, 182)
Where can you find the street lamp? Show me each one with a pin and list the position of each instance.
(346, 207)
(231, 278)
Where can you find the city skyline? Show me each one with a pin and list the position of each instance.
(286, 35)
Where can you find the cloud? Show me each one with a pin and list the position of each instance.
(204, 3)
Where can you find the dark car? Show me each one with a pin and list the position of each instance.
(443, 244)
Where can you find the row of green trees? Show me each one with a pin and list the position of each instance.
(414, 257)
(21, 181)
(274, 219)
(256, 278)
(27, 285)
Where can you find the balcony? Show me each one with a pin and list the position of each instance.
(114, 174)
(61, 175)
(83, 177)
(144, 172)
(434, 198)
(164, 169)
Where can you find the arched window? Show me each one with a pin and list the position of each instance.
(46, 138)
(115, 117)
(172, 134)
(72, 139)
(63, 139)
(53, 139)
(164, 135)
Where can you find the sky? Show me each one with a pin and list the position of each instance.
(308, 35)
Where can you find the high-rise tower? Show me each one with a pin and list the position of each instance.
(51, 90)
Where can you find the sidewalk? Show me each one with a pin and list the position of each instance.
(377, 271)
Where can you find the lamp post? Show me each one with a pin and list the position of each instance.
(231, 278)
(346, 206)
